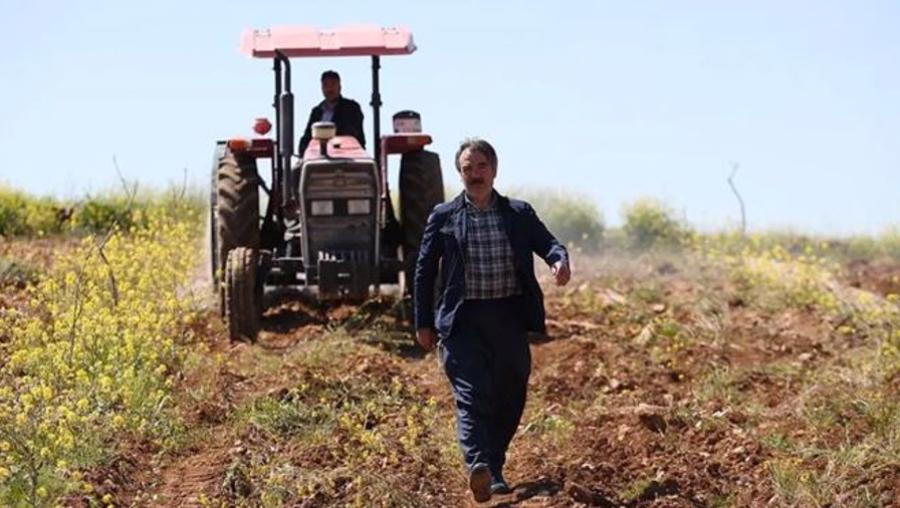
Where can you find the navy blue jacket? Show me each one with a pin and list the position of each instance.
(444, 245)
(348, 121)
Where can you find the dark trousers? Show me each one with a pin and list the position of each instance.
(487, 361)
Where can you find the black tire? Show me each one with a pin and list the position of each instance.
(234, 211)
(243, 301)
(215, 263)
(421, 188)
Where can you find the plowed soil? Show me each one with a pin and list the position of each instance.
(625, 406)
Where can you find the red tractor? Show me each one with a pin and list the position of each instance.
(329, 226)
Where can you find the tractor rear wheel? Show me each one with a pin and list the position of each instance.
(243, 298)
(234, 211)
(421, 188)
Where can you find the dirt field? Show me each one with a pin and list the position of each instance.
(659, 384)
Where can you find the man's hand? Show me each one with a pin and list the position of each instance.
(561, 272)
(426, 338)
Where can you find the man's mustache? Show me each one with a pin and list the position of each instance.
(476, 181)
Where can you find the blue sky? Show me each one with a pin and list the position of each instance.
(613, 100)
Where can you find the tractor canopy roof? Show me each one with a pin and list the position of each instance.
(350, 40)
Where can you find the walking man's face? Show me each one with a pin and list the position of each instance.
(331, 89)
(477, 175)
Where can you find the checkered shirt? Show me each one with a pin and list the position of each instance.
(489, 257)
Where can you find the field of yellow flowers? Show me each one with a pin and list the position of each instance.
(88, 351)
(680, 369)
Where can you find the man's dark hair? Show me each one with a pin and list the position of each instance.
(330, 75)
(477, 145)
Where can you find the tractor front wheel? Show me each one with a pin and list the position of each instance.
(243, 298)
(234, 210)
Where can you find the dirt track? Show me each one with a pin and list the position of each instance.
(657, 386)
(612, 420)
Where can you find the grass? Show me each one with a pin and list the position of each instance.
(720, 385)
(838, 443)
(18, 273)
(773, 355)
(635, 489)
(25, 215)
(349, 411)
(849, 422)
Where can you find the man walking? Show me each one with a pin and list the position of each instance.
(483, 243)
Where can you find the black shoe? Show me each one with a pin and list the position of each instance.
(498, 482)
(480, 482)
(499, 485)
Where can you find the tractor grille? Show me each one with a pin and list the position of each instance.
(340, 214)
(344, 274)
(355, 256)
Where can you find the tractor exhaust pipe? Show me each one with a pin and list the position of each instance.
(286, 132)
(277, 170)
(376, 106)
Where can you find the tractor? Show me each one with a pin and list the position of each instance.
(328, 227)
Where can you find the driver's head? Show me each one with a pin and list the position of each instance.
(331, 86)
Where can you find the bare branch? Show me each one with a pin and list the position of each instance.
(184, 184)
(131, 193)
(734, 168)
(76, 317)
(113, 287)
(102, 242)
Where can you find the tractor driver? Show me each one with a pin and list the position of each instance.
(345, 113)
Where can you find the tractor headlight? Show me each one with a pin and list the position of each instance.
(322, 207)
(358, 207)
